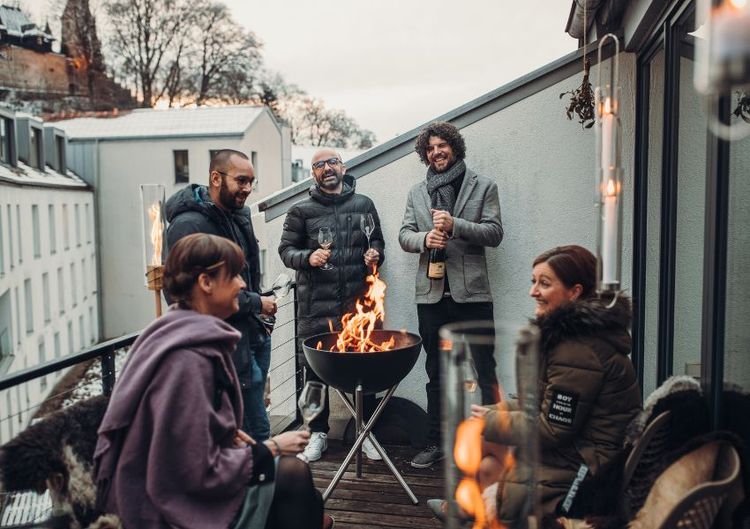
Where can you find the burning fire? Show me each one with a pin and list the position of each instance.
(467, 453)
(157, 232)
(357, 326)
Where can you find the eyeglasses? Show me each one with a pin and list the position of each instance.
(333, 162)
(243, 181)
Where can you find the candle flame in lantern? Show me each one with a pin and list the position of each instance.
(357, 326)
(467, 451)
(157, 232)
(611, 190)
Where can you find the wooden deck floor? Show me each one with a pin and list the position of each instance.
(377, 501)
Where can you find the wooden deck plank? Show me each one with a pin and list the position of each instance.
(377, 501)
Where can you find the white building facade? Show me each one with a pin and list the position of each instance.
(171, 147)
(48, 288)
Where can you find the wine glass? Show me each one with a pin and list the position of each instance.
(311, 404)
(470, 380)
(367, 225)
(281, 286)
(325, 239)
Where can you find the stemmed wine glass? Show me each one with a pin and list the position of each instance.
(311, 403)
(367, 225)
(325, 239)
(470, 381)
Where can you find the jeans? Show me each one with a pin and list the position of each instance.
(255, 421)
(431, 318)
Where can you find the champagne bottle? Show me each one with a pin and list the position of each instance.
(436, 263)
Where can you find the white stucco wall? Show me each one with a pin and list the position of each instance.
(544, 167)
(69, 324)
(123, 166)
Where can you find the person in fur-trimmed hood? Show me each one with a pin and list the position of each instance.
(588, 390)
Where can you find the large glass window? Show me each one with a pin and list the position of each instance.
(45, 298)
(5, 139)
(29, 306)
(52, 228)
(65, 227)
(60, 291)
(10, 236)
(35, 148)
(78, 224)
(18, 233)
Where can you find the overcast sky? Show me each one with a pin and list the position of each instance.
(395, 64)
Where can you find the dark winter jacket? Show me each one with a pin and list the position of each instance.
(324, 295)
(166, 456)
(191, 210)
(588, 395)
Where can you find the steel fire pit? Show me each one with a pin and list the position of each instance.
(375, 372)
(360, 373)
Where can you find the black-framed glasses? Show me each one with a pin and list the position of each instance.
(243, 181)
(333, 162)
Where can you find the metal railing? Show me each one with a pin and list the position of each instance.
(285, 375)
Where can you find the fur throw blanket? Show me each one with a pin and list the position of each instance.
(57, 453)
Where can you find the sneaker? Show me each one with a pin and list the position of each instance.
(369, 449)
(427, 457)
(317, 445)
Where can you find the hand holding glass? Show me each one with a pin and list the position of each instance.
(325, 239)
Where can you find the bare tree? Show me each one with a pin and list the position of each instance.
(145, 35)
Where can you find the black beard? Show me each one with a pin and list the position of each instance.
(227, 199)
(330, 186)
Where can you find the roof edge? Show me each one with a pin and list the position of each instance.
(471, 112)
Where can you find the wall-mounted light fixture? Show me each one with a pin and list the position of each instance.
(722, 58)
(609, 175)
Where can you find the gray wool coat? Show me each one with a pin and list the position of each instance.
(476, 225)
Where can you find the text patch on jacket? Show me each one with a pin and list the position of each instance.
(562, 409)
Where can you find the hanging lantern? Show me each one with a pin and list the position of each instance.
(722, 57)
(609, 175)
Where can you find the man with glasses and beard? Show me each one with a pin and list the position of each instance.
(327, 294)
(455, 210)
(219, 209)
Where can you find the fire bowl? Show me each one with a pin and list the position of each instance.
(375, 371)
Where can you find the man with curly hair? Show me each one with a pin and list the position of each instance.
(456, 210)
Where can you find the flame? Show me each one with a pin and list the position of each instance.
(157, 232)
(467, 451)
(357, 326)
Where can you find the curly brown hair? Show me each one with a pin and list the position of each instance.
(444, 130)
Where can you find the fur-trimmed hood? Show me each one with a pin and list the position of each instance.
(588, 317)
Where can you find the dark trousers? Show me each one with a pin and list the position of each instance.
(320, 423)
(431, 318)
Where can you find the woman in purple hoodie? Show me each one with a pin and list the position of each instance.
(170, 453)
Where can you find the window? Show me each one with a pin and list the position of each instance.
(10, 236)
(60, 291)
(84, 279)
(58, 352)
(60, 151)
(35, 148)
(81, 330)
(35, 230)
(18, 234)
(254, 160)
(18, 316)
(29, 307)
(6, 126)
(52, 231)
(45, 298)
(92, 324)
(73, 289)
(89, 223)
(42, 359)
(71, 343)
(66, 231)
(181, 167)
(78, 224)
(2, 252)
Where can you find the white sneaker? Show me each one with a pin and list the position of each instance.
(369, 449)
(317, 445)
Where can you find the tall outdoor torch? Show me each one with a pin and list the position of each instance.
(152, 202)
(609, 176)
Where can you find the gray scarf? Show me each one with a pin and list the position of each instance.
(439, 186)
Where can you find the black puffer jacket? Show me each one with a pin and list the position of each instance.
(324, 295)
(588, 395)
(191, 210)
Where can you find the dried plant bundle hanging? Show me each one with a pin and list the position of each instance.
(582, 100)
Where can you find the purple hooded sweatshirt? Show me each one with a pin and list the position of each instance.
(165, 455)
